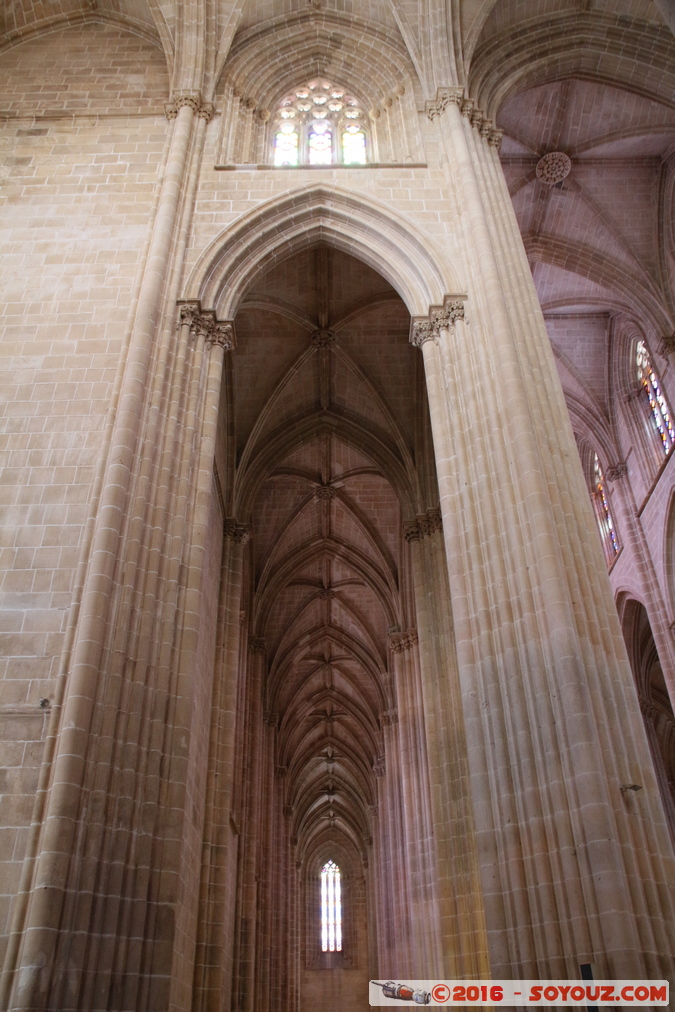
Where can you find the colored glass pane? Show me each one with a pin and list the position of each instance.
(354, 147)
(286, 146)
(605, 522)
(330, 126)
(331, 908)
(650, 385)
(320, 144)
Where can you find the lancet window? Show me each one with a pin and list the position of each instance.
(656, 405)
(320, 123)
(331, 908)
(610, 542)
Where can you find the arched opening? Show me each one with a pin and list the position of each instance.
(324, 422)
(655, 704)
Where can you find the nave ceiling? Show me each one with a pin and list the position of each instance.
(329, 419)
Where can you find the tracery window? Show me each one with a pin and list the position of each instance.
(319, 123)
(658, 409)
(610, 542)
(331, 908)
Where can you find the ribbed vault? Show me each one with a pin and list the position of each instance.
(328, 424)
(327, 438)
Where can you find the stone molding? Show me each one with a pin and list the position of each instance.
(379, 767)
(423, 526)
(468, 109)
(204, 323)
(399, 642)
(234, 531)
(325, 493)
(616, 471)
(192, 99)
(440, 318)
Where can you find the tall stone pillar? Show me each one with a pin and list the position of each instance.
(92, 904)
(424, 948)
(460, 945)
(575, 868)
(213, 959)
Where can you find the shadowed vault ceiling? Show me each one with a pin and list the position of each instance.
(329, 413)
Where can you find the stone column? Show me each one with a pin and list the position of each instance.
(574, 868)
(213, 960)
(388, 770)
(252, 791)
(82, 875)
(424, 944)
(461, 946)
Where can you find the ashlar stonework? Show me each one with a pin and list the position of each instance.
(337, 498)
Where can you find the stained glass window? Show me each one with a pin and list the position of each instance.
(650, 385)
(286, 146)
(320, 124)
(331, 908)
(353, 146)
(320, 143)
(605, 522)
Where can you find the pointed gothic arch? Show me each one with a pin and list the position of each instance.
(365, 229)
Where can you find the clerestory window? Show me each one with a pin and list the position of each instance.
(331, 908)
(320, 123)
(656, 406)
(610, 542)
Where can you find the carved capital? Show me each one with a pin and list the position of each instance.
(411, 531)
(667, 345)
(280, 772)
(256, 645)
(234, 531)
(270, 718)
(444, 98)
(440, 318)
(191, 99)
(399, 642)
(616, 471)
(323, 339)
(430, 522)
(262, 115)
(443, 319)
(495, 138)
(389, 717)
(421, 332)
(423, 525)
(288, 811)
(222, 335)
(379, 768)
(204, 323)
